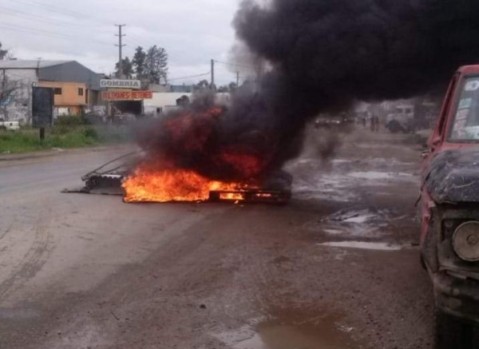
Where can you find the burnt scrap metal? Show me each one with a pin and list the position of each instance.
(277, 189)
(251, 196)
(108, 179)
(112, 173)
(454, 177)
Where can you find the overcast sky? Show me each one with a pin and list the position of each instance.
(192, 31)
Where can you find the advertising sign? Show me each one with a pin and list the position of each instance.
(117, 83)
(42, 107)
(111, 96)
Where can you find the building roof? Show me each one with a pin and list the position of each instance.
(28, 64)
(61, 71)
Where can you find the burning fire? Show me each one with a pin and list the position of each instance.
(187, 154)
(178, 185)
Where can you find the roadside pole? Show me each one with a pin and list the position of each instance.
(212, 74)
(4, 89)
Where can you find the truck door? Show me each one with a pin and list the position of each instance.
(438, 136)
(433, 147)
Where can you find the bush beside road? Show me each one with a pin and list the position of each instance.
(68, 132)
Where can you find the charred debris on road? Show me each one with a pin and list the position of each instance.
(109, 180)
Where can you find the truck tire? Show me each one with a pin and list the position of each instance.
(455, 333)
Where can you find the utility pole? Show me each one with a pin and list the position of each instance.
(120, 47)
(212, 73)
(237, 78)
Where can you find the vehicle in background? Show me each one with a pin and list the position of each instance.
(334, 121)
(401, 120)
(9, 125)
(450, 213)
(412, 115)
(170, 108)
(124, 118)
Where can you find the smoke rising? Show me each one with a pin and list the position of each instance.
(329, 53)
(323, 55)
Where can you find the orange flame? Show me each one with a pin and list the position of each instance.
(177, 185)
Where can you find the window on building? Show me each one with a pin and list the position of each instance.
(57, 90)
(80, 92)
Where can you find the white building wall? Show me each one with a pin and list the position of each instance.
(18, 106)
(162, 100)
(167, 100)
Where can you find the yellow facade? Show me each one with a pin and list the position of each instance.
(70, 97)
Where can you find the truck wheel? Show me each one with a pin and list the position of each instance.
(455, 333)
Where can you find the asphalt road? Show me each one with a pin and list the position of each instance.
(336, 268)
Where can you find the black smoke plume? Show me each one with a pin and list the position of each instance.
(325, 55)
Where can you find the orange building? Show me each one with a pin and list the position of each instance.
(71, 98)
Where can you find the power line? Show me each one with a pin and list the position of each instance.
(60, 33)
(189, 77)
(43, 32)
(73, 14)
(52, 20)
(234, 64)
(64, 12)
(60, 10)
(76, 14)
(21, 14)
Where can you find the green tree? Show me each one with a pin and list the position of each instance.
(156, 65)
(127, 68)
(231, 87)
(139, 63)
(202, 85)
(7, 95)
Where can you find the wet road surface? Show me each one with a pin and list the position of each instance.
(336, 268)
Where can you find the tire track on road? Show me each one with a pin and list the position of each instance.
(34, 259)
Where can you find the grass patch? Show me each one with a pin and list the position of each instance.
(64, 135)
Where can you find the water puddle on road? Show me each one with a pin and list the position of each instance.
(362, 245)
(291, 333)
(274, 336)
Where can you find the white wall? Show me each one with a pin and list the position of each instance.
(19, 106)
(164, 99)
(161, 100)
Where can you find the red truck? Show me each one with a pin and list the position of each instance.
(450, 213)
